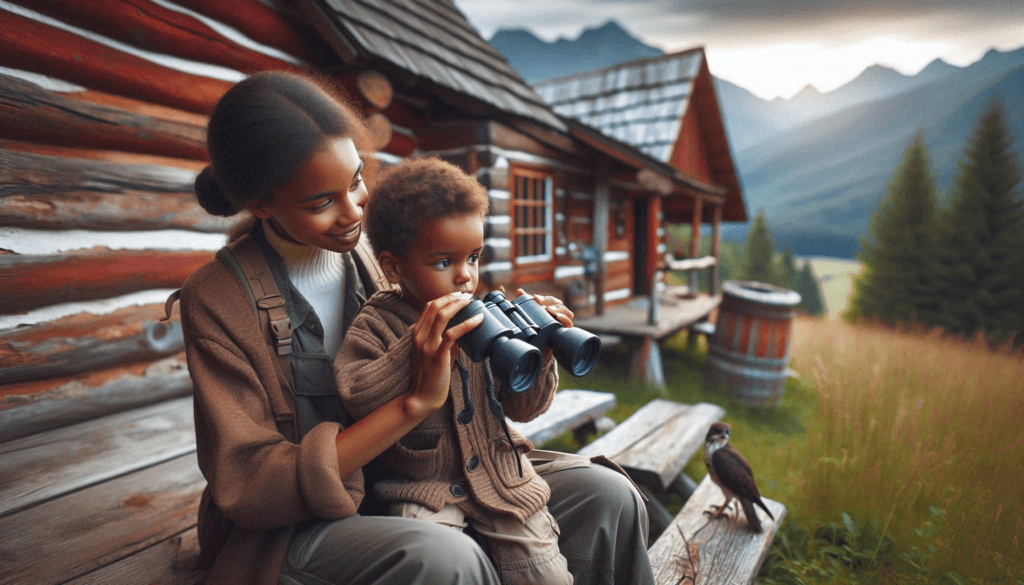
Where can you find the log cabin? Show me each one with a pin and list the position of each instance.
(103, 107)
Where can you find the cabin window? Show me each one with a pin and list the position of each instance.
(532, 216)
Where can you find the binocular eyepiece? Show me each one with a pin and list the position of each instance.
(513, 333)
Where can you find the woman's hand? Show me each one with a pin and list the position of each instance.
(434, 352)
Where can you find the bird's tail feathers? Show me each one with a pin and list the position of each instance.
(759, 502)
(748, 510)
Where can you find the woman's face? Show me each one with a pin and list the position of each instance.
(322, 205)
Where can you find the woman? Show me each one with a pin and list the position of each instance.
(283, 472)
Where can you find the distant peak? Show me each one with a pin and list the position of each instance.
(609, 29)
(808, 89)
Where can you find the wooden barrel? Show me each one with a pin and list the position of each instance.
(749, 353)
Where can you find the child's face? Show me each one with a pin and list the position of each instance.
(445, 258)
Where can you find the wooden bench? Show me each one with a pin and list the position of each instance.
(697, 550)
(654, 445)
(114, 499)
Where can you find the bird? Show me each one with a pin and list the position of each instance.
(732, 474)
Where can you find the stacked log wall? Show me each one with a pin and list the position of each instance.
(103, 107)
(488, 150)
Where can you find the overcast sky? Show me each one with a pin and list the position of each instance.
(776, 47)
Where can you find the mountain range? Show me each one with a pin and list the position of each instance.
(817, 163)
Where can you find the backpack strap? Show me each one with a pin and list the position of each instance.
(376, 274)
(246, 259)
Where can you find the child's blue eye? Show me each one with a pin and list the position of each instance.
(443, 263)
(474, 258)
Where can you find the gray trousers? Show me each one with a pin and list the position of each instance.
(603, 525)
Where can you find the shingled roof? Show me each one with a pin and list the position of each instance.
(432, 40)
(643, 103)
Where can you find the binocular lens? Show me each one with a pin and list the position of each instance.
(575, 349)
(516, 362)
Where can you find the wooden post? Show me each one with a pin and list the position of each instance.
(646, 363)
(602, 196)
(698, 210)
(716, 249)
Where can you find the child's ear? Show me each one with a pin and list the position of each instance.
(390, 265)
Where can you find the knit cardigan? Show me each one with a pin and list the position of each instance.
(442, 461)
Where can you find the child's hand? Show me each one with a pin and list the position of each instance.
(435, 350)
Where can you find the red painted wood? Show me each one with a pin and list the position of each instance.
(30, 282)
(264, 25)
(31, 113)
(113, 156)
(29, 45)
(154, 28)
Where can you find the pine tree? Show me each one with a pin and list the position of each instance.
(789, 267)
(896, 284)
(982, 237)
(760, 252)
(810, 292)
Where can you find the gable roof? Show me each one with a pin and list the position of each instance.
(433, 41)
(642, 103)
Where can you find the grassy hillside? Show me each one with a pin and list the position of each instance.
(900, 457)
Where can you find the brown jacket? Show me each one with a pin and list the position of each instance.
(261, 480)
(431, 465)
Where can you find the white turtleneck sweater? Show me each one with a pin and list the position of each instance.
(320, 276)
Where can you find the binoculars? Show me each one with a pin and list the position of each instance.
(513, 333)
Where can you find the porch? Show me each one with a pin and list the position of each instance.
(644, 327)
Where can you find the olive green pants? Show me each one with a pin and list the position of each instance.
(602, 519)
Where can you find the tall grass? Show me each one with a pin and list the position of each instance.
(921, 437)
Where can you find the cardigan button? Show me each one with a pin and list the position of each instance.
(473, 463)
(457, 491)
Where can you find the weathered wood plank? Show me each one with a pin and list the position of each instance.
(265, 25)
(29, 112)
(73, 535)
(54, 192)
(48, 465)
(150, 26)
(630, 319)
(657, 441)
(99, 154)
(31, 281)
(41, 405)
(700, 551)
(570, 410)
(170, 562)
(31, 45)
(692, 263)
(87, 342)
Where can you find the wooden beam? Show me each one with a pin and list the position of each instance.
(112, 156)
(31, 113)
(53, 192)
(30, 45)
(716, 249)
(698, 205)
(152, 27)
(84, 342)
(263, 24)
(602, 200)
(33, 281)
(32, 407)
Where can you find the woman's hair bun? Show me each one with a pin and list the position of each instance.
(211, 196)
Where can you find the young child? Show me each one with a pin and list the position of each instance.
(457, 468)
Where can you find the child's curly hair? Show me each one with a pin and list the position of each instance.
(416, 192)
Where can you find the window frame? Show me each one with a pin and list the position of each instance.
(546, 204)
